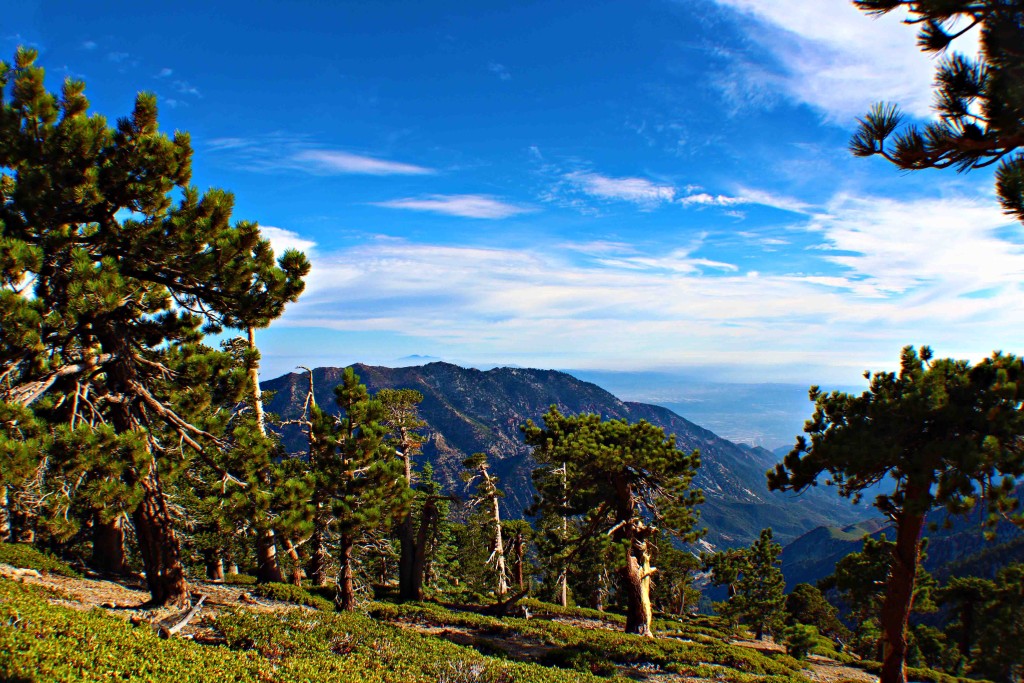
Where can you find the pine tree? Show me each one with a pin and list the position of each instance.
(999, 652)
(111, 298)
(676, 570)
(404, 434)
(806, 604)
(761, 587)
(487, 500)
(623, 480)
(979, 102)
(943, 429)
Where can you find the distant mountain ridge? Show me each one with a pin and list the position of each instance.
(956, 550)
(469, 410)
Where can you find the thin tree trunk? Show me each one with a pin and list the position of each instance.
(5, 516)
(346, 585)
(108, 545)
(899, 594)
(318, 554)
(293, 553)
(214, 565)
(499, 551)
(408, 551)
(519, 543)
(267, 568)
(158, 544)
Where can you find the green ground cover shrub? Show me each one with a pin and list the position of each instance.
(239, 579)
(41, 641)
(286, 592)
(25, 556)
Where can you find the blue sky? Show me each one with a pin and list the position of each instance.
(604, 185)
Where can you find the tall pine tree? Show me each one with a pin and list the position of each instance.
(104, 275)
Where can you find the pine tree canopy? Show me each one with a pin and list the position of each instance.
(979, 102)
(101, 266)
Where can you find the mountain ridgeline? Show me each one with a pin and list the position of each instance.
(469, 411)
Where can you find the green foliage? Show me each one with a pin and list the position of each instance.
(128, 266)
(756, 585)
(800, 639)
(806, 604)
(979, 103)
(286, 592)
(239, 579)
(619, 476)
(25, 556)
(943, 429)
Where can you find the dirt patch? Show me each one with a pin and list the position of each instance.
(829, 671)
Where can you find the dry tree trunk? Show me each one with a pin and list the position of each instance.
(267, 568)
(108, 545)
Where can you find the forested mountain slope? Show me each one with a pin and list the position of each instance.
(469, 410)
(957, 550)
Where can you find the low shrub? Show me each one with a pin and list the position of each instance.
(239, 579)
(286, 592)
(799, 640)
(25, 556)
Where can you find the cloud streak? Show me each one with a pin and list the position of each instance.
(335, 161)
(835, 57)
(948, 280)
(462, 205)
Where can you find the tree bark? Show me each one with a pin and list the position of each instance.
(346, 585)
(158, 545)
(519, 544)
(499, 550)
(318, 556)
(636, 582)
(899, 595)
(108, 545)
(293, 553)
(214, 566)
(408, 550)
(267, 568)
(5, 516)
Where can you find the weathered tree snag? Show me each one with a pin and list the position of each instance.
(168, 632)
(5, 516)
(297, 575)
(158, 545)
(636, 581)
(108, 545)
(346, 585)
(267, 568)
(501, 608)
(519, 548)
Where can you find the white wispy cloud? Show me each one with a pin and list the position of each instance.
(893, 273)
(336, 161)
(464, 205)
(89, 45)
(282, 240)
(948, 245)
(165, 72)
(500, 71)
(834, 57)
(648, 194)
(635, 190)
